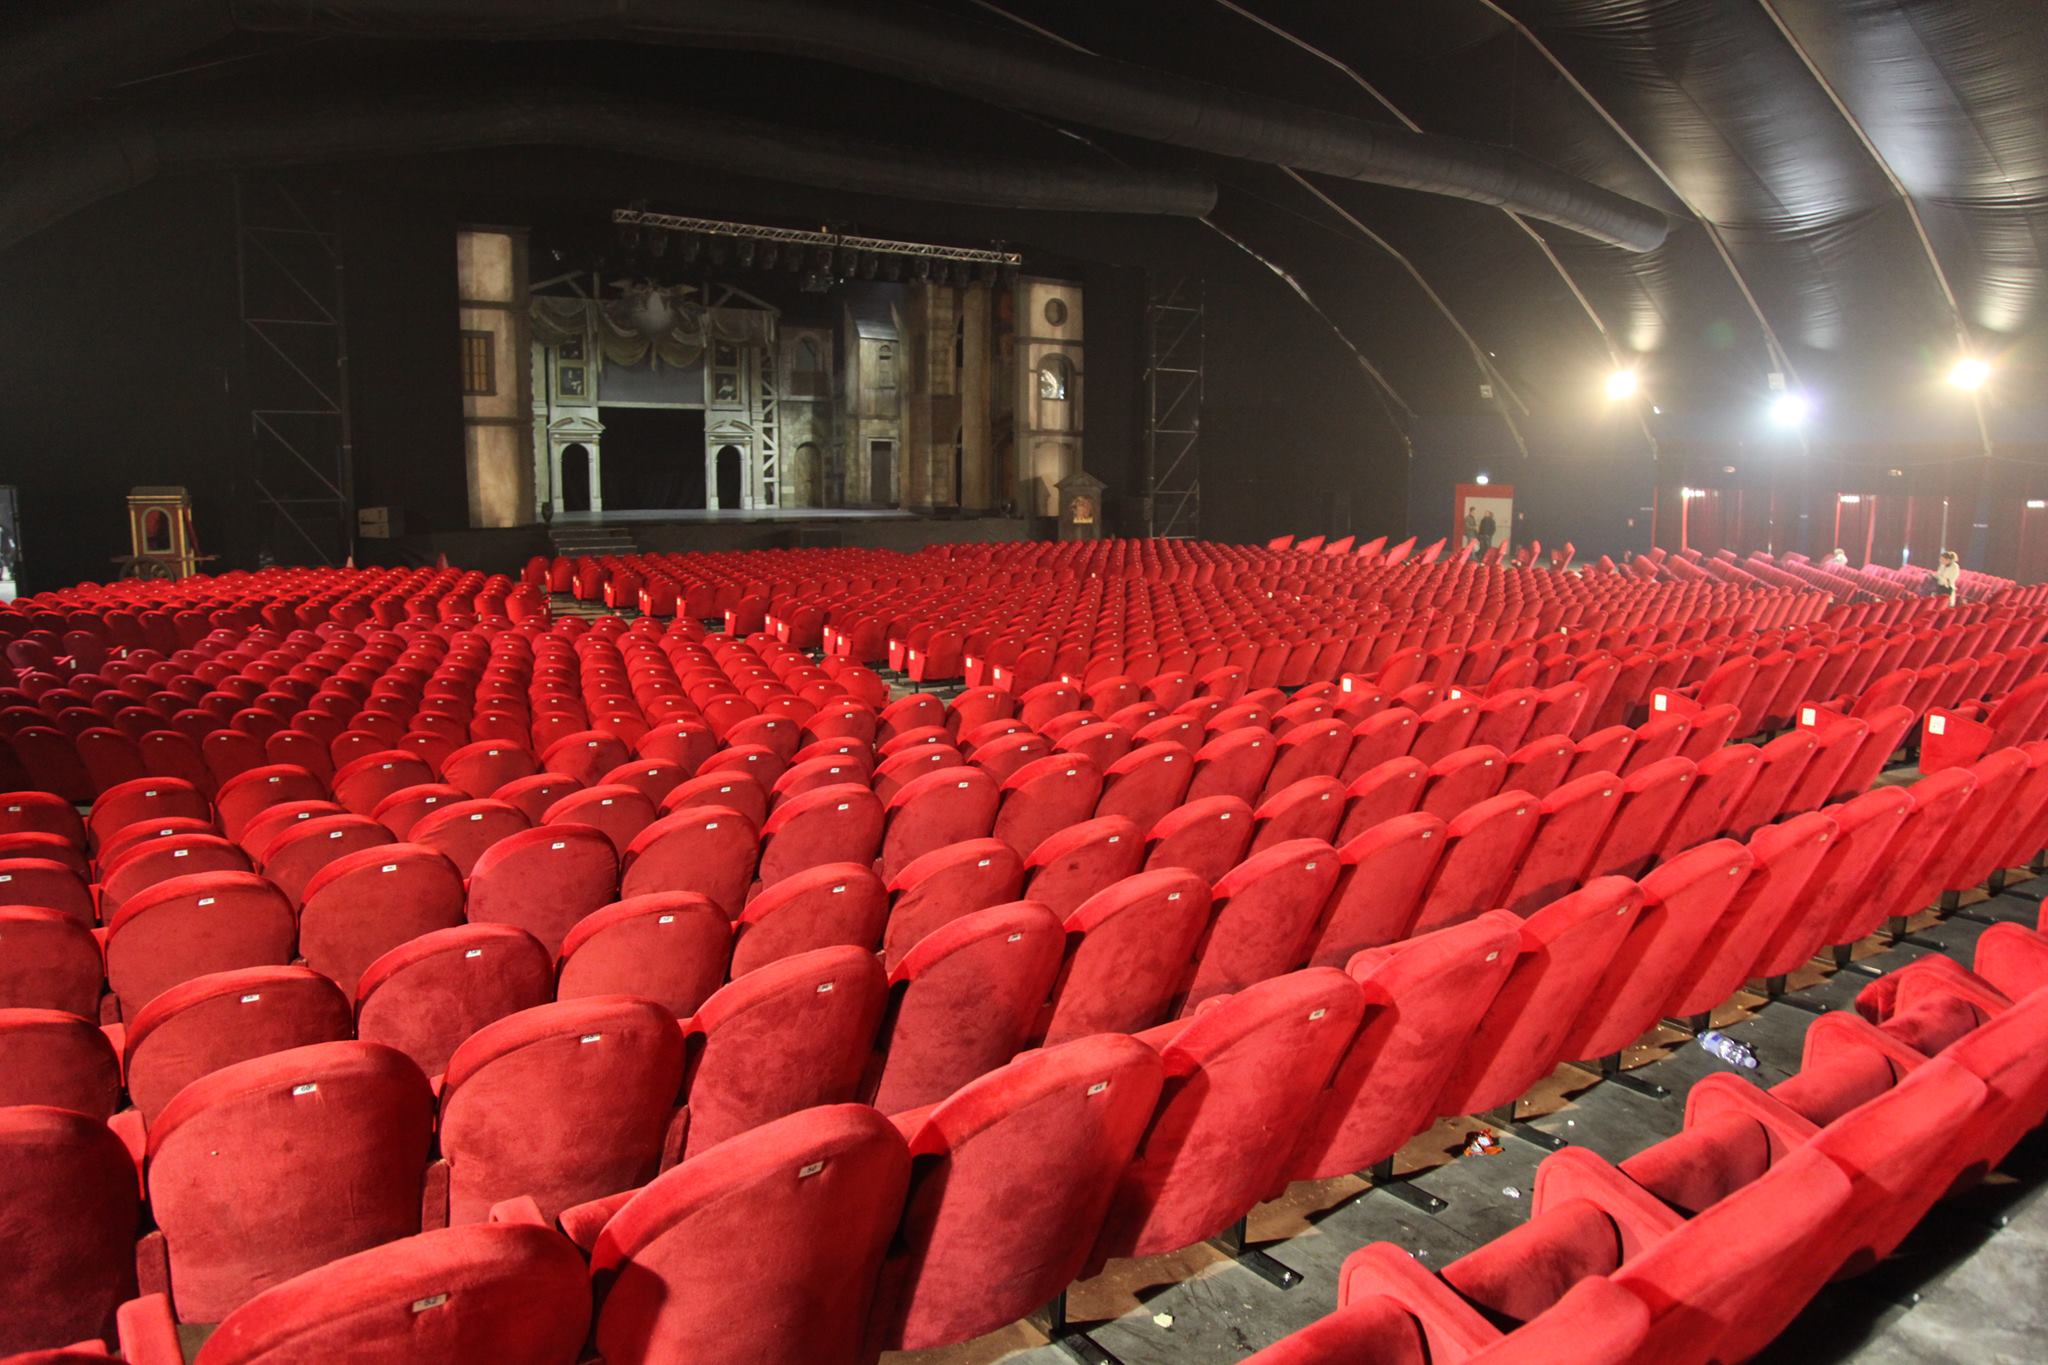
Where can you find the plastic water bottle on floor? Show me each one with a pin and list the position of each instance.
(1730, 1050)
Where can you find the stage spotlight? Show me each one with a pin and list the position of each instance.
(770, 255)
(690, 248)
(1969, 373)
(720, 251)
(629, 236)
(1790, 409)
(892, 268)
(744, 253)
(921, 268)
(821, 260)
(869, 264)
(1007, 277)
(1621, 384)
(657, 244)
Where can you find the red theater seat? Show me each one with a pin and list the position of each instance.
(1241, 1079)
(1208, 837)
(51, 1058)
(946, 807)
(1079, 1110)
(792, 1035)
(190, 926)
(836, 824)
(826, 906)
(945, 884)
(69, 1190)
(361, 906)
(50, 961)
(523, 1299)
(276, 1165)
(213, 1021)
(1265, 908)
(802, 1212)
(428, 994)
(670, 947)
(1045, 796)
(561, 1103)
(1131, 946)
(965, 1000)
(1425, 998)
(1565, 947)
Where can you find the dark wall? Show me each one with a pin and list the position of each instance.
(116, 369)
(1113, 398)
(398, 246)
(1293, 437)
(1591, 484)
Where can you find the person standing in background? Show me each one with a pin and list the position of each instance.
(1840, 558)
(1471, 525)
(1948, 576)
(1486, 529)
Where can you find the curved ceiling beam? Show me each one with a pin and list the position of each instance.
(1352, 74)
(1486, 371)
(1383, 389)
(54, 175)
(1884, 167)
(1780, 360)
(1382, 385)
(914, 46)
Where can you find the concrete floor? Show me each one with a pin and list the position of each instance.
(1979, 1284)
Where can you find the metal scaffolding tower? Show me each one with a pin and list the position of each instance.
(1173, 391)
(299, 467)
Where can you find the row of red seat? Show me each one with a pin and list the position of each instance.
(1053, 819)
(1302, 1076)
(1705, 1245)
(321, 698)
(84, 625)
(363, 903)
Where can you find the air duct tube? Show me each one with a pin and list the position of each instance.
(917, 46)
(52, 176)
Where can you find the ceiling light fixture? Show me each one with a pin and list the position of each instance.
(1969, 373)
(1790, 409)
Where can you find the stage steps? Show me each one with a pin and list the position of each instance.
(593, 540)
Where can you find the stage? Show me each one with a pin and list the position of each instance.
(684, 529)
(709, 516)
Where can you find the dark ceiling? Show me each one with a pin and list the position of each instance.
(1857, 190)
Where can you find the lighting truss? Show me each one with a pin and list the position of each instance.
(755, 232)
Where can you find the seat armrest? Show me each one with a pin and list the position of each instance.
(2013, 959)
(152, 1264)
(1452, 1328)
(148, 1332)
(1723, 1093)
(582, 1222)
(434, 1197)
(1640, 1218)
(521, 1208)
(128, 1127)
